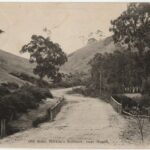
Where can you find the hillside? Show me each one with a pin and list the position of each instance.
(11, 63)
(78, 60)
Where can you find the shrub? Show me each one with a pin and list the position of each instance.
(39, 120)
(11, 85)
(5, 109)
(124, 100)
(4, 91)
(146, 87)
(85, 91)
(21, 100)
(37, 92)
(27, 98)
(145, 100)
(34, 80)
(42, 83)
(13, 101)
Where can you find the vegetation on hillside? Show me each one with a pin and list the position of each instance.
(127, 69)
(72, 79)
(78, 60)
(16, 99)
(31, 79)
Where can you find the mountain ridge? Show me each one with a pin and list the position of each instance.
(78, 60)
(12, 63)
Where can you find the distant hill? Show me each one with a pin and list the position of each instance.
(78, 60)
(11, 63)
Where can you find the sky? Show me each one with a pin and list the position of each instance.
(68, 23)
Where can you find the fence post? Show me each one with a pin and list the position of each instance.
(116, 105)
(149, 114)
(48, 113)
(3, 128)
(51, 114)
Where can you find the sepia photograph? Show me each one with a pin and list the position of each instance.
(75, 75)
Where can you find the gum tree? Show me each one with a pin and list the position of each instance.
(132, 30)
(47, 55)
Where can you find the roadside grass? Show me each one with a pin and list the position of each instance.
(25, 120)
(90, 92)
(18, 102)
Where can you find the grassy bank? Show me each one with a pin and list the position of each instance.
(20, 100)
(90, 92)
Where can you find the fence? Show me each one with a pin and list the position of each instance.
(133, 115)
(116, 105)
(3, 128)
(50, 115)
(54, 110)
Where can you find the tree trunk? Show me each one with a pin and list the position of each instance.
(40, 81)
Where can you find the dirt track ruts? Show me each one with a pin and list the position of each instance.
(82, 122)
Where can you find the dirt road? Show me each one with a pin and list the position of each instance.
(82, 122)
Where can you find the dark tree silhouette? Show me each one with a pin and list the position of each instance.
(1, 31)
(132, 27)
(47, 55)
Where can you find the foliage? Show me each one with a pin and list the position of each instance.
(27, 97)
(132, 27)
(4, 91)
(39, 120)
(37, 92)
(47, 55)
(3, 62)
(125, 101)
(10, 85)
(79, 90)
(33, 80)
(118, 70)
(128, 67)
(140, 123)
(73, 79)
(144, 100)
(89, 91)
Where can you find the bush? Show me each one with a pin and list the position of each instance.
(39, 120)
(145, 100)
(21, 100)
(124, 100)
(11, 85)
(15, 102)
(42, 83)
(4, 91)
(5, 109)
(37, 92)
(27, 98)
(31, 79)
(146, 87)
(85, 91)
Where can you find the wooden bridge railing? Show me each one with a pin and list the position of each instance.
(2, 128)
(116, 105)
(54, 110)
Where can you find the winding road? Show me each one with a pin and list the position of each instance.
(82, 122)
